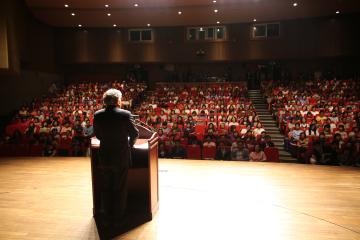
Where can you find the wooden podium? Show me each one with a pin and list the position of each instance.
(143, 184)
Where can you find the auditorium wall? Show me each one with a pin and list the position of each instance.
(300, 39)
(31, 56)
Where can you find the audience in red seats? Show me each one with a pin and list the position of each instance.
(61, 123)
(318, 118)
(219, 119)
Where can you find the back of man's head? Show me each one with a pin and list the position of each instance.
(112, 97)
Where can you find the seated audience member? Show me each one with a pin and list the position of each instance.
(258, 129)
(44, 128)
(268, 142)
(293, 136)
(88, 129)
(66, 128)
(161, 135)
(209, 142)
(178, 151)
(193, 140)
(322, 151)
(302, 146)
(303, 124)
(353, 132)
(244, 131)
(240, 153)
(222, 152)
(341, 131)
(327, 131)
(32, 129)
(351, 153)
(49, 151)
(337, 146)
(312, 131)
(321, 118)
(76, 146)
(162, 150)
(258, 155)
(295, 133)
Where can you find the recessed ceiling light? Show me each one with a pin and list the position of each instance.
(179, 12)
(215, 10)
(218, 22)
(201, 29)
(295, 4)
(136, 5)
(218, 29)
(109, 14)
(106, 5)
(337, 12)
(254, 20)
(114, 25)
(254, 28)
(66, 5)
(72, 14)
(214, 1)
(148, 24)
(79, 25)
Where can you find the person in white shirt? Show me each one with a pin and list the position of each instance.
(258, 129)
(295, 133)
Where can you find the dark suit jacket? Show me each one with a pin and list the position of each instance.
(115, 129)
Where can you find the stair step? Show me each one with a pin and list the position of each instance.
(273, 138)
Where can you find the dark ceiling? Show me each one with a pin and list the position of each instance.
(124, 13)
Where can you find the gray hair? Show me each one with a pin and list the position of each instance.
(112, 97)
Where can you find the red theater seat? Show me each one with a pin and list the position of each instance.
(36, 150)
(209, 152)
(272, 154)
(193, 152)
(21, 149)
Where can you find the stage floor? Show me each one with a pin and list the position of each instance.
(50, 198)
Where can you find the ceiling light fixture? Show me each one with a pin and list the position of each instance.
(179, 12)
(72, 14)
(114, 25)
(337, 12)
(215, 10)
(106, 5)
(254, 20)
(214, 1)
(66, 5)
(80, 25)
(148, 24)
(136, 5)
(218, 22)
(109, 14)
(295, 4)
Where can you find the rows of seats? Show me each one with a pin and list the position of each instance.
(320, 119)
(195, 120)
(60, 123)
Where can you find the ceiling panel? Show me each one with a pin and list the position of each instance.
(93, 13)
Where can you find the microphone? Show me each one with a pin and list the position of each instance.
(135, 116)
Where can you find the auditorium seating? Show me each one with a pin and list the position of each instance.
(187, 113)
(328, 107)
(191, 113)
(61, 119)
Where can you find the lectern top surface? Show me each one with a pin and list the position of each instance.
(139, 144)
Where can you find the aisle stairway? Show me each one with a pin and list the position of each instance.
(270, 125)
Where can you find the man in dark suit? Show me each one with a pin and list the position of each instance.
(115, 129)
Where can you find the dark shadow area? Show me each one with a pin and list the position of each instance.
(137, 213)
